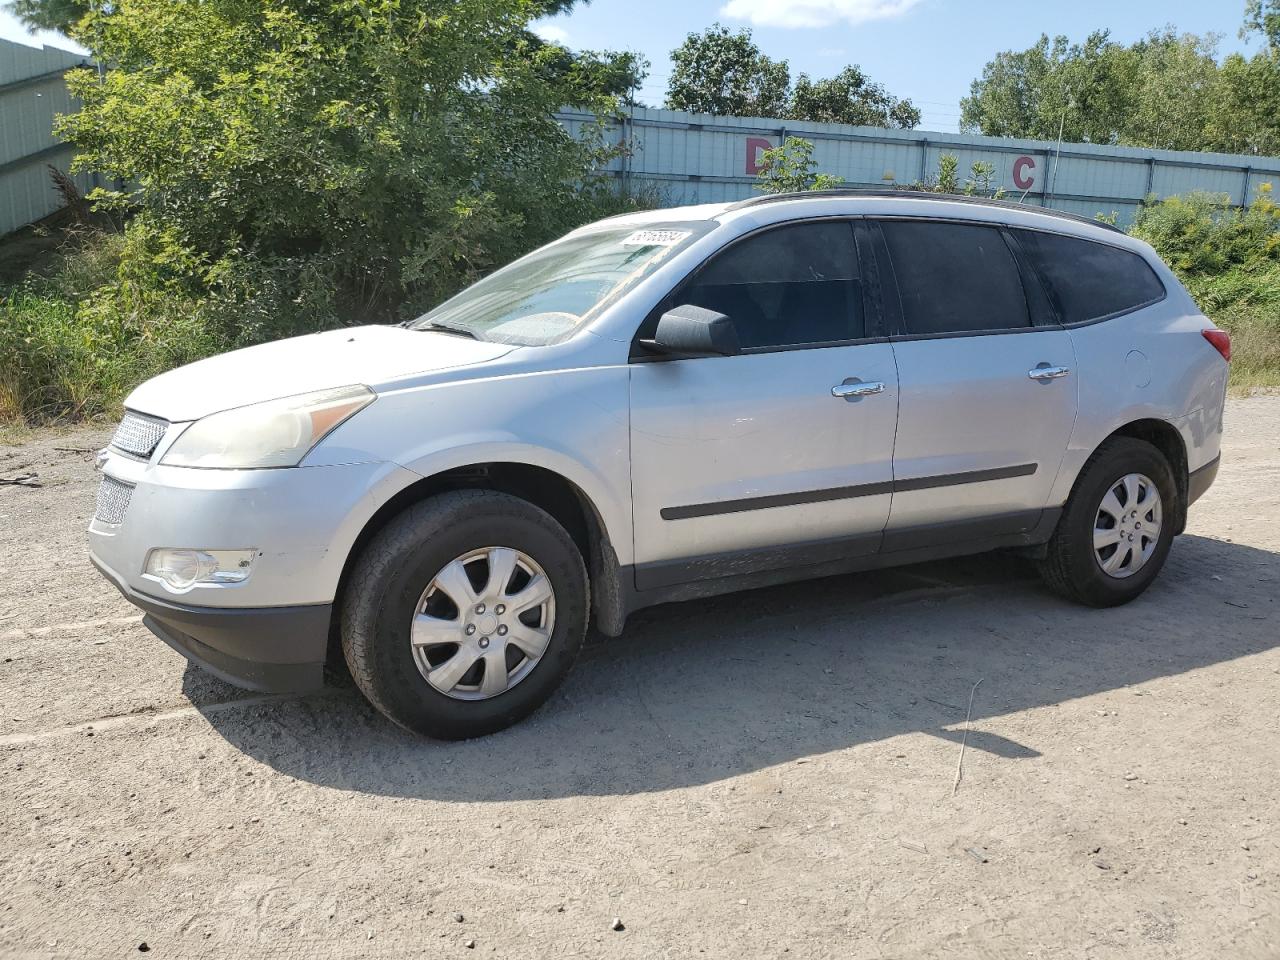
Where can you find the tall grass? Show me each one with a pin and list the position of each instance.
(1246, 303)
(60, 359)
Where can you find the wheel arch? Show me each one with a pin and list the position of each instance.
(546, 489)
(1166, 438)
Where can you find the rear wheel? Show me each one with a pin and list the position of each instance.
(464, 614)
(1117, 528)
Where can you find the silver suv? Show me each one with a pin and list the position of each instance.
(659, 407)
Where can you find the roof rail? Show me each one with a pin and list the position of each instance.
(872, 192)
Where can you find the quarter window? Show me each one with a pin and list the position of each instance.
(1089, 280)
(792, 285)
(955, 278)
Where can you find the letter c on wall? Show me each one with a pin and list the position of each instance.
(1024, 173)
(754, 146)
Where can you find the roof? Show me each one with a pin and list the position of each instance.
(918, 195)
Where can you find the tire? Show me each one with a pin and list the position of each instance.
(1072, 566)
(398, 570)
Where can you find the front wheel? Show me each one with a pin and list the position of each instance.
(1117, 528)
(464, 614)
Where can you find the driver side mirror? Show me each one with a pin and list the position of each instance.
(690, 331)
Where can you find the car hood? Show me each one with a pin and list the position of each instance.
(372, 355)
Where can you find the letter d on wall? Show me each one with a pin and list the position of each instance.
(754, 146)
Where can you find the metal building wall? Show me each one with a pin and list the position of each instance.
(32, 91)
(697, 158)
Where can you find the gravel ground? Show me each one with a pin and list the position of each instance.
(760, 775)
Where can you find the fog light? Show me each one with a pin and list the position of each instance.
(180, 570)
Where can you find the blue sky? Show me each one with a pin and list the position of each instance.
(928, 50)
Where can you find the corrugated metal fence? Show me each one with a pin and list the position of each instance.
(696, 158)
(32, 92)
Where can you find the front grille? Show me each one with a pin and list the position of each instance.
(113, 500)
(138, 434)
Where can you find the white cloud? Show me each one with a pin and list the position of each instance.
(551, 33)
(814, 13)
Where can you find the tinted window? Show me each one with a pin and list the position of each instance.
(1090, 280)
(954, 277)
(792, 285)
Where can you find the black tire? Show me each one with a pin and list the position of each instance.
(400, 562)
(1071, 568)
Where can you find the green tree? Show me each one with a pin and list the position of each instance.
(1245, 117)
(1174, 87)
(789, 168)
(1078, 89)
(1263, 16)
(725, 73)
(850, 97)
(60, 15)
(350, 159)
(1166, 91)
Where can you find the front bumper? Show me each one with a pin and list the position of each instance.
(269, 649)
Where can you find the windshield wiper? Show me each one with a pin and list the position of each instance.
(444, 328)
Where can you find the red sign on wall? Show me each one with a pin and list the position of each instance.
(1024, 173)
(754, 147)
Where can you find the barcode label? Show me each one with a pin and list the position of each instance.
(655, 238)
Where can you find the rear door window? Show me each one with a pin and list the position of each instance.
(1088, 280)
(955, 278)
(793, 285)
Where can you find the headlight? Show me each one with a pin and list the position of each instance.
(278, 433)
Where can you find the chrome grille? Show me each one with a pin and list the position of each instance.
(138, 434)
(113, 500)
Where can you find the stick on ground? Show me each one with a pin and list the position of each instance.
(965, 739)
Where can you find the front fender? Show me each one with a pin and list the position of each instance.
(574, 423)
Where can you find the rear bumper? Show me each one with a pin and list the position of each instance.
(269, 649)
(1202, 479)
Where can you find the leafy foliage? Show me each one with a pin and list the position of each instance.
(60, 15)
(980, 183)
(721, 72)
(59, 359)
(299, 164)
(789, 168)
(850, 97)
(1263, 16)
(1203, 233)
(1166, 91)
(1229, 260)
(336, 161)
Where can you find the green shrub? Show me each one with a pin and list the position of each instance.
(63, 356)
(1246, 303)
(1202, 233)
(1229, 260)
(112, 309)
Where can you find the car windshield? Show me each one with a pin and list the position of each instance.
(547, 295)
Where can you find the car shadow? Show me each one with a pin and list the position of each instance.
(697, 692)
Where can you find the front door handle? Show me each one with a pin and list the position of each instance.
(1046, 372)
(852, 389)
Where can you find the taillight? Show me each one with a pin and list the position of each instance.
(1221, 341)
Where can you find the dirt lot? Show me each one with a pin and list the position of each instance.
(753, 776)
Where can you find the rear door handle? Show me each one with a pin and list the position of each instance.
(1046, 372)
(852, 389)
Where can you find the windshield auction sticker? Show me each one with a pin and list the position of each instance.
(655, 238)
